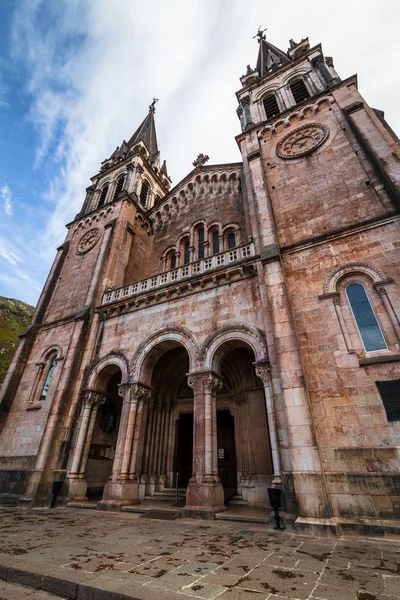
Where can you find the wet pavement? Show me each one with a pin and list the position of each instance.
(131, 557)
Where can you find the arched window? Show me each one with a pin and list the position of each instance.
(47, 381)
(144, 192)
(119, 186)
(200, 249)
(365, 318)
(103, 196)
(172, 261)
(231, 240)
(271, 106)
(299, 91)
(215, 241)
(186, 253)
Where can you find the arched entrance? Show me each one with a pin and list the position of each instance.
(239, 358)
(104, 440)
(168, 436)
(242, 398)
(95, 443)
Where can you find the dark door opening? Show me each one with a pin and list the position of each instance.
(227, 469)
(185, 448)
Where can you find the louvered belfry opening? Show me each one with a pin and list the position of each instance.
(119, 186)
(299, 91)
(271, 106)
(103, 196)
(144, 192)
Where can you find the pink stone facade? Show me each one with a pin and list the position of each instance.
(201, 337)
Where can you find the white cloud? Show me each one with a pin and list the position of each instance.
(95, 66)
(6, 196)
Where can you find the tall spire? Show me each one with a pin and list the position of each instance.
(269, 56)
(146, 132)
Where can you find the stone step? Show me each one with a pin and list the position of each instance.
(15, 591)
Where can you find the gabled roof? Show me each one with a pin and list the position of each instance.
(269, 57)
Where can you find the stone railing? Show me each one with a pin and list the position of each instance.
(200, 267)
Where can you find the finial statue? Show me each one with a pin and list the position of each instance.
(201, 160)
(152, 106)
(260, 34)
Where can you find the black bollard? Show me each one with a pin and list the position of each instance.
(275, 495)
(57, 485)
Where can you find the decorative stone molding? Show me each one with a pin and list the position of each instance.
(104, 213)
(263, 372)
(302, 141)
(88, 241)
(93, 398)
(332, 279)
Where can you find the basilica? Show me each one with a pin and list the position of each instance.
(235, 332)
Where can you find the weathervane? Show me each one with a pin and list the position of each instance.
(153, 104)
(260, 34)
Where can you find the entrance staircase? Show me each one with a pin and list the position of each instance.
(171, 496)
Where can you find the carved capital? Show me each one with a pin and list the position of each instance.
(245, 101)
(263, 372)
(211, 383)
(93, 398)
(139, 393)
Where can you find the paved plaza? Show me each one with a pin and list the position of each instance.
(92, 555)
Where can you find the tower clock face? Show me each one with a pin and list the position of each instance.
(302, 140)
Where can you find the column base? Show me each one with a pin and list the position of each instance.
(119, 493)
(204, 499)
(77, 490)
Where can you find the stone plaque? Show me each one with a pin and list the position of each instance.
(88, 240)
(302, 140)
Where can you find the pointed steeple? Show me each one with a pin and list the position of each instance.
(269, 56)
(146, 132)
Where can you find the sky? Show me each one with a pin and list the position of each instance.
(77, 76)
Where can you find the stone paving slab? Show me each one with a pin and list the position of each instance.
(92, 555)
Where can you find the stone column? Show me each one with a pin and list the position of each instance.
(380, 288)
(125, 489)
(143, 396)
(127, 183)
(205, 494)
(263, 372)
(89, 436)
(78, 485)
(248, 120)
(126, 457)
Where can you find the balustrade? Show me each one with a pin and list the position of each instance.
(193, 269)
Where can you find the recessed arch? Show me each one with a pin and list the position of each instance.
(151, 349)
(231, 337)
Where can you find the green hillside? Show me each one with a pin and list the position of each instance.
(14, 317)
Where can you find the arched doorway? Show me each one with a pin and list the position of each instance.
(104, 439)
(95, 442)
(244, 451)
(168, 436)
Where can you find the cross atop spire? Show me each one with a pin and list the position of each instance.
(260, 34)
(152, 107)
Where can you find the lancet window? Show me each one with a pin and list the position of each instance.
(103, 196)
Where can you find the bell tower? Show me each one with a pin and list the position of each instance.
(321, 170)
